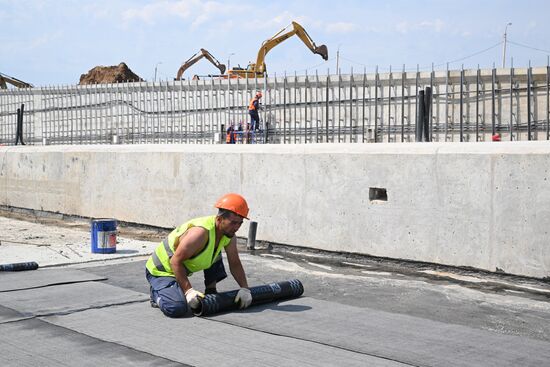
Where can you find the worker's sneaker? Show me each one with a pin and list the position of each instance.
(153, 304)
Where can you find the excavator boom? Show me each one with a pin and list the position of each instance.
(5, 80)
(259, 69)
(196, 57)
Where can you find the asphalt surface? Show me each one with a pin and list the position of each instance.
(355, 310)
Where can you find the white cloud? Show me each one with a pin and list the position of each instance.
(436, 25)
(199, 12)
(202, 17)
(405, 27)
(341, 27)
(45, 39)
(150, 13)
(274, 23)
(222, 17)
(531, 25)
(100, 10)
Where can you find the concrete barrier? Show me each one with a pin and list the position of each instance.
(484, 205)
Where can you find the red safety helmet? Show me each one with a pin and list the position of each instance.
(496, 137)
(233, 202)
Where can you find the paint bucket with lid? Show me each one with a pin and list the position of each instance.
(104, 236)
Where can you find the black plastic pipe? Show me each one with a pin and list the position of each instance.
(427, 113)
(19, 266)
(251, 240)
(225, 301)
(19, 130)
(419, 116)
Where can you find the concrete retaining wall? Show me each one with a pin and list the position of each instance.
(484, 205)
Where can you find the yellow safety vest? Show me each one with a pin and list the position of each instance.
(158, 263)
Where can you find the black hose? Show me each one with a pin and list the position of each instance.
(19, 266)
(19, 132)
(225, 301)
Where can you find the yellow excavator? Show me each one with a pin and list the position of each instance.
(5, 80)
(259, 69)
(196, 57)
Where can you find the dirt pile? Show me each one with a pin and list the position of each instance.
(109, 74)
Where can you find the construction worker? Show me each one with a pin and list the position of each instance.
(253, 108)
(230, 137)
(194, 246)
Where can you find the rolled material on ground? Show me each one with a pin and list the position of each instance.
(222, 302)
(19, 266)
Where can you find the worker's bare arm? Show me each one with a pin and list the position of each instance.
(189, 244)
(235, 265)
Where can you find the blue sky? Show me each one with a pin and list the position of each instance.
(52, 42)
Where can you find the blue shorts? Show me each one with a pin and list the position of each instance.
(168, 295)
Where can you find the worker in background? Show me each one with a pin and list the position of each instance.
(230, 137)
(253, 108)
(194, 246)
(496, 137)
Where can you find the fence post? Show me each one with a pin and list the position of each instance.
(376, 81)
(529, 82)
(493, 103)
(461, 108)
(327, 108)
(266, 132)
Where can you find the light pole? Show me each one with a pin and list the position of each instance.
(338, 59)
(229, 60)
(504, 46)
(156, 66)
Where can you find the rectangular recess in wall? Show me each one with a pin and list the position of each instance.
(378, 194)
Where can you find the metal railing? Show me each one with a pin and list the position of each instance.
(466, 105)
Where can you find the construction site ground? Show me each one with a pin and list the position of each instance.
(86, 309)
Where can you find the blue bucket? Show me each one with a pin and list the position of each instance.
(104, 236)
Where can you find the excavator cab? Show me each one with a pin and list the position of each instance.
(196, 57)
(259, 68)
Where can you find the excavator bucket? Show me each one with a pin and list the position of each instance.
(322, 50)
(222, 68)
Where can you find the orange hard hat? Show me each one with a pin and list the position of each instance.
(233, 202)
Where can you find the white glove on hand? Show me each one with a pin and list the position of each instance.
(243, 298)
(192, 296)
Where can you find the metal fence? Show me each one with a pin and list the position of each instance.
(466, 105)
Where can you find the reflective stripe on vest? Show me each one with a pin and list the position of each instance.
(158, 263)
(156, 259)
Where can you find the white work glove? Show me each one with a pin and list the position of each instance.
(192, 296)
(243, 298)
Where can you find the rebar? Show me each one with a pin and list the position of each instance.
(331, 108)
